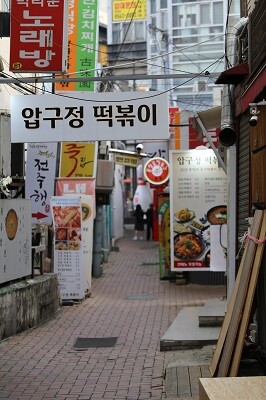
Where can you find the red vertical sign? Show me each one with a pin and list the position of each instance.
(38, 38)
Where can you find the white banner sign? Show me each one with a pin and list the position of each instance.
(15, 239)
(68, 246)
(40, 176)
(198, 201)
(89, 116)
(87, 207)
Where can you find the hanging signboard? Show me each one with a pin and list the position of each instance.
(198, 202)
(78, 160)
(15, 239)
(38, 36)
(156, 171)
(89, 116)
(68, 246)
(175, 125)
(156, 148)
(40, 176)
(75, 186)
(82, 45)
(129, 10)
(127, 160)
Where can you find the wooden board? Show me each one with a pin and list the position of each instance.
(226, 321)
(241, 388)
(240, 297)
(249, 301)
(228, 315)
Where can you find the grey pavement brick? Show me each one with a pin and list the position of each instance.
(129, 302)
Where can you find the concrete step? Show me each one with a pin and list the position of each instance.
(212, 313)
(185, 332)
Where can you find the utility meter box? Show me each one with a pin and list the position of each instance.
(105, 176)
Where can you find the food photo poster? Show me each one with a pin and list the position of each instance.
(68, 246)
(198, 211)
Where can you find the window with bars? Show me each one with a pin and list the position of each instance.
(208, 13)
(205, 14)
(127, 32)
(153, 6)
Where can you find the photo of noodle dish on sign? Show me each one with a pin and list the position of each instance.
(188, 246)
(191, 236)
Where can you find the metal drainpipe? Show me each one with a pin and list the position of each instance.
(108, 213)
(111, 211)
(227, 135)
(97, 270)
(105, 236)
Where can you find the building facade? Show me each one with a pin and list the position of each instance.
(183, 38)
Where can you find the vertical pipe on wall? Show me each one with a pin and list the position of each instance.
(231, 219)
(97, 243)
(105, 235)
(111, 211)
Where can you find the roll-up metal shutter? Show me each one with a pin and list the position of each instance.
(243, 181)
(243, 202)
(206, 277)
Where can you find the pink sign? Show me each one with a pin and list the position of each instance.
(75, 186)
(69, 186)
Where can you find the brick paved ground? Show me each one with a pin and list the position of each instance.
(129, 302)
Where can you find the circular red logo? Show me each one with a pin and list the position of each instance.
(156, 170)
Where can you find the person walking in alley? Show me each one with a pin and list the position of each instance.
(139, 223)
(149, 217)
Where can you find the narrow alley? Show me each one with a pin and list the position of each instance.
(107, 346)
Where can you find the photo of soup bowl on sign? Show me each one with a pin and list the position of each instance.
(188, 246)
(217, 215)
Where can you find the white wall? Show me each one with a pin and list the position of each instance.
(5, 90)
(118, 206)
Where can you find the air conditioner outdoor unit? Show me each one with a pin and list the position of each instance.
(105, 175)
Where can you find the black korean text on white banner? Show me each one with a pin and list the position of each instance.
(89, 116)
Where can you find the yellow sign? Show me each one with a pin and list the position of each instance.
(129, 161)
(77, 160)
(129, 10)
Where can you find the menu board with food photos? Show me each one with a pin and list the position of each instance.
(15, 239)
(198, 211)
(68, 246)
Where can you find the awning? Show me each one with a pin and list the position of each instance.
(234, 75)
(205, 120)
(211, 119)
